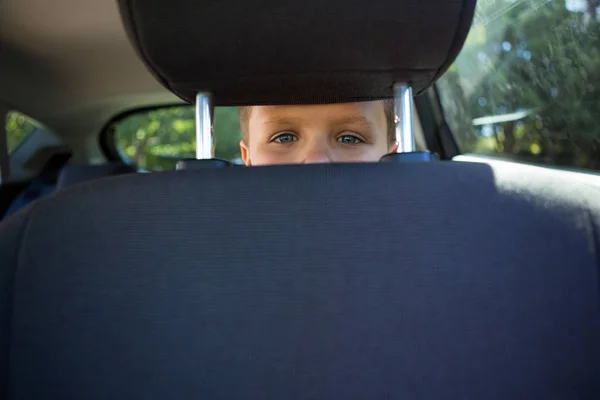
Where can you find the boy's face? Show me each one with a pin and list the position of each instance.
(344, 132)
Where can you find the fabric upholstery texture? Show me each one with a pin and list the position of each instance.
(74, 174)
(436, 280)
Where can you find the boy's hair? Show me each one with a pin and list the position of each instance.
(388, 107)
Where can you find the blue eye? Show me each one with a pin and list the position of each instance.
(285, 138)
(350, 139)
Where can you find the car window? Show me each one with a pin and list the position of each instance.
(526, 85)
(156, 139)
(18, 128)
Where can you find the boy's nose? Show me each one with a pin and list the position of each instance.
(317, 156)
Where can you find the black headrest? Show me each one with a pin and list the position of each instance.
(296, 51)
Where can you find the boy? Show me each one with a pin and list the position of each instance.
(343, 132)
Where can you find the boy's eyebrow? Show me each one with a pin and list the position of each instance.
(282, 120)
(354, 119)
(345, 120)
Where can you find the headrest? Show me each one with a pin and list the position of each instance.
(296, 51)
(75, 174)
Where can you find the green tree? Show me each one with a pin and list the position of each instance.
(18, 128)
(532, 56)
(157, 139)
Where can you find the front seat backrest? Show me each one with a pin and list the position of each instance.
(347, 281)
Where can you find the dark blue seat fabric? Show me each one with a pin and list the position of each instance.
(8, 193)
(74, 174)
(32, 192)
(41, 185)
(439, 280)
(65, 177)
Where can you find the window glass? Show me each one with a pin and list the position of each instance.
(156, 139)
(18, 129)
(527, 82)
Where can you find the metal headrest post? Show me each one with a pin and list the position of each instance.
(405, 134)
(204, 126)
(204, 137)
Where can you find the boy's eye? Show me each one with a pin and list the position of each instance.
(350, 139)
(285, 138)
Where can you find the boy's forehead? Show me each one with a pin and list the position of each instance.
(369, 109)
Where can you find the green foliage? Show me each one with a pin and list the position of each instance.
(18, 128)
(155, 140)
(227, 133)
(535, 56)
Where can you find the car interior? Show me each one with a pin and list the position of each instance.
(140, 257)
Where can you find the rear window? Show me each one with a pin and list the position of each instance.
(156, 139)
(18, 128)
(526, 85)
